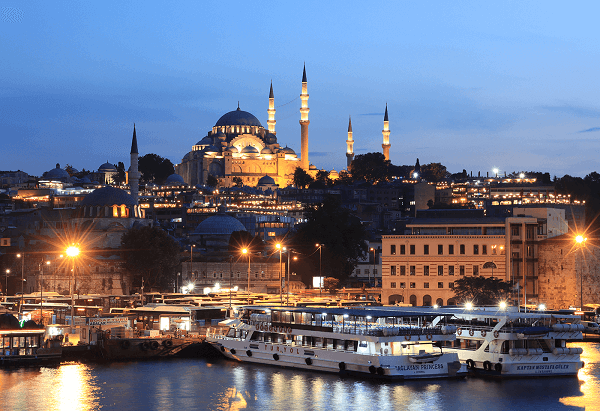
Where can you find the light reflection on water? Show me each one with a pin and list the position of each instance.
(201, 384)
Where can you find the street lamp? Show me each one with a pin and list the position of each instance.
(191, 261)
(246, 251)
(580, 240)
(369, 278)
(22, 257)
(42, 291)
(6, 284)
(280, 247)
(320, 268)
(73, 252)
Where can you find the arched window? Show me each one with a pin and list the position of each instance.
(413, 300)
(426, 300)
(439, 302)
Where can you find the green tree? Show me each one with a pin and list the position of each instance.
(154, 168)
(120, 177)
(331, 284)
(342, 234)
(301, 178)
(238, 182)
(371, 167)
(434, 172)
(481, 290)
(150, 253)
(323, 176)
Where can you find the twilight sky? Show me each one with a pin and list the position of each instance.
(472, 85)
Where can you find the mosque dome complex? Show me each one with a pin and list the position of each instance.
(238, 118)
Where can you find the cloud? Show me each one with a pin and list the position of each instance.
(573, 110)
(590, 130)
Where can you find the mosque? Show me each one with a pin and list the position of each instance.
(238, 148)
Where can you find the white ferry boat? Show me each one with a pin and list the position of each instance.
(376, 343)
(508, 343)
(26, 346)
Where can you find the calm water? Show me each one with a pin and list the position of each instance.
(201, 384)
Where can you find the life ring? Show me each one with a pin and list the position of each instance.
(222, 349)
(380, 371)
(429, 337)
(483, 333)
(496, 334)
(342, 365)
(372, 369)
(407, 337)
(470, 364)
(308, 361)
(498, 367)
(249, 353)
(125, 344)
(144, 345)
(487, 365)
(167, 343)
(154, 345)
(232, 350)
(471, 332)
(289, 330)
(458, 331)
(276, 357)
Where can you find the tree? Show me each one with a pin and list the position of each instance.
(212, 181)
(323, 176)
(371, 167)
(154, 168)
(301, 178)
(331, 284)
(341, 233)
(238, 182)
(434, 172)
(119, 178)
(481, 290)
(150, 253)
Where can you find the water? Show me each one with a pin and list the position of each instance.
(218, 384)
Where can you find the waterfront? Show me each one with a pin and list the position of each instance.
(216, 384)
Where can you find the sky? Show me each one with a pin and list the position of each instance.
(511, 85)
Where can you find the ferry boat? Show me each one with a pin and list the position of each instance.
(26, 346)
(507, 342)
(375, 343)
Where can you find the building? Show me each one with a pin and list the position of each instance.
(420, 266)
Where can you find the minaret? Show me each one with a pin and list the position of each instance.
(304, 123)
(386, 135)
(349, 145)
(271, 111)
(134, 176)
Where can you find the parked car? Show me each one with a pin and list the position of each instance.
(590, 327)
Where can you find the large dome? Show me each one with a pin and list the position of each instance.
(238, 118)
(219, 224)
(108, 196)
(57, 174)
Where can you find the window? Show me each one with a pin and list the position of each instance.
(451, 249)
(450, 285)
(425, 285)
(393, 249)
(440, 249)
(515, 230)
(461, 270)
(402, 249)
(475, 249)
(484, 249)
(412, 270)
(392, 285)
(402, 285)
(440, 270)
(426, 249)
(426, 270)
(412, 249)
(475, 270)
(367, 271)
(393, 270)
(450, 270)
(402, 270)
(412, 285)
(529, 251)
(493, 250)
(462, 248)
(374, 271)
(440, 285)
(357, 271)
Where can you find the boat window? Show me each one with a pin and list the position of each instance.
(362, 344)
(317, 342)
(231, 332)
(276, 316)
(256, 336)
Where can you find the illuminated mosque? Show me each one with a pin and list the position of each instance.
(239, 148)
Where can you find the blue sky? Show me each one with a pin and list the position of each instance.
(472, 85)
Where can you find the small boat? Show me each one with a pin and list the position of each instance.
(375, 343)
(26, 345)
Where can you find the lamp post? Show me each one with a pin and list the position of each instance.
(230, 281)
(6, 284)
(320, 268)
(73, 252)
(369, 278)
(580, 240)
(192, 260)
(246, 251)
(280, 248)
(22, 257)
(42, 291)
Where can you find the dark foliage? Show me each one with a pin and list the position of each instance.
(302, 178)
(152, 254)
(212, 181)
(154, 168)
(481, 290)
(371, 167)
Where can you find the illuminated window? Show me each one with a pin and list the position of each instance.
(440, 270)
(392, 285)
(426, 270)
(402, 270)
(450, 270)
(393, 270)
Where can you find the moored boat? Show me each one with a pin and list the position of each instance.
(26, 345)
(375, 343)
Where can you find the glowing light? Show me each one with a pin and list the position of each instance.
(495, 170)
(415, 175)
(541, 307)
(580, 239)
(522, 175)
(72, 251)
(190, 287)
(469, 306)
(502, 305)
(436, 306)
